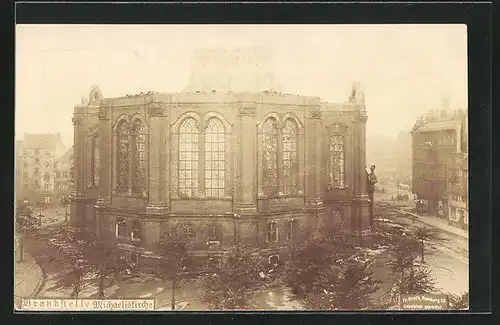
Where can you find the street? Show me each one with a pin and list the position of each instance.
(447, 260)
(133, 286)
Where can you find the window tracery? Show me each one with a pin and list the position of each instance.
(270, 135)
(337, 162)
(290, 159)
(140, 139)
(122, 163)
(215, 158)
(188, 157)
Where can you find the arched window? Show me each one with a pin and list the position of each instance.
(291, 229)
(270, 156)
(140, 141)
(272, 231)
(215, 158)
(337, 164)
(95, 160)
(122, 157)
(290, 159)
(187, 231)
(274, 260)
(121, 227)
(188, 158)
(135, 235)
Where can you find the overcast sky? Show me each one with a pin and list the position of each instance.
(405, 70)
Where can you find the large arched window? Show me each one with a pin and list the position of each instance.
(270, 136)
(188, 157)
(95, 160)
(337, 161)
(290, 158)
(122, 159)
(140, 141)
(215, 158)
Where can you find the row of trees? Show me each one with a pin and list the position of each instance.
(411, 275)
(101, 260)
(324, 270)
(25, 223)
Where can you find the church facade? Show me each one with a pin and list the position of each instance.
(220, 165)
(257, 166)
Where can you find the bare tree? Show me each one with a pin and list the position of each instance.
(91, 256)
(459, 302)
(25, 223)
(326, 274)
(411, 278)
(425, 234)
(230, 283)
(107, 261)
(175, 250)
(76, 269)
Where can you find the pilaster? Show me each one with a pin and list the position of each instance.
(313, 159)
(105, 154)
(78, 197)
(361, 223)
(159, 182)
(246, 199)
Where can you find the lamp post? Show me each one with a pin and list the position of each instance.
(397, 191)
(66, 210)
(40, 213)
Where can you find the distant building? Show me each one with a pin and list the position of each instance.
(36, 156)
(19, 186)
(458, 189)
(63, 176)
(381, 152)
(434, 138)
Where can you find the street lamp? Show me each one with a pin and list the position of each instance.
(397, 189)
(66, 210)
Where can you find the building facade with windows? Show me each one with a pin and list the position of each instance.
(63, 182)
(36, 157)
(434, 139)
(218, 166)
(19, 188)
(228, 158)
(458, 189)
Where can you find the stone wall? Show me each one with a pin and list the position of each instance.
(244, 211)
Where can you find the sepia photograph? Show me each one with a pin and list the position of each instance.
(241, 167)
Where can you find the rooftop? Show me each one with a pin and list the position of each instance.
(41, 140)
(438, 125)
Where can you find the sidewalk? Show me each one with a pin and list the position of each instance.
(27, 279)
(439, 223)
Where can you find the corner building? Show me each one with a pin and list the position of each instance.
(260, 166)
